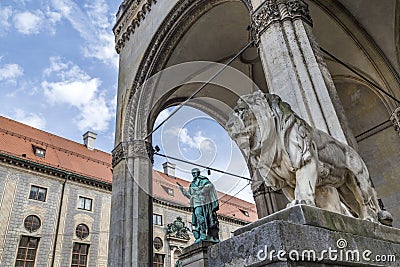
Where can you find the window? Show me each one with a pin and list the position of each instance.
(27, 251)
(32, 223)
(245, 212)
(80, 255)
(158, 244)
(85, 203)
(158, 260)
(39, 152)
(82, 231)
(38, 193)
(157, 219)
(169, 191)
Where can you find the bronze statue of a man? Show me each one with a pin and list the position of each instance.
(204, 203)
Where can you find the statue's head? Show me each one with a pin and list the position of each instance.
(195, 172)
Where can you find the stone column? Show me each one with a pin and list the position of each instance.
(294, 67)
(131, 205)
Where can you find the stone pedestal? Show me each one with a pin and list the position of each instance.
(195, 255)
(308, 236)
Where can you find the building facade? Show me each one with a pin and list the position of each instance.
(55, 203)
(55, 199)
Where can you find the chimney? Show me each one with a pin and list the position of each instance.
(169, 169)
(88, 139)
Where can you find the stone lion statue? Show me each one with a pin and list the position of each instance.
(310, 166)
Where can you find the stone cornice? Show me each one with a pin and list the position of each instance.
(271, 11)
(56, 172)
(130, 15)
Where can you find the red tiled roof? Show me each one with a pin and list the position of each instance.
(18, 139)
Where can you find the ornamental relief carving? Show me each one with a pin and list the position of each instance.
(132, 14)
(118, 154)
(298, 8)
(135, 148)
(272, 11)
(264, 15)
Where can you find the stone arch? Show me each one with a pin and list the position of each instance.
(356, 80)
(156, 56)
(368, 112)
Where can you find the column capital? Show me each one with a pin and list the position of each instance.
(271, 11)
(132, 149)
(118, 154)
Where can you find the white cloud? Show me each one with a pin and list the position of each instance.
(28, 23)
(53, 17)
(5, 14)
(34, 22)
(94, 25)
(76, 93)
(198, 141)
(10, 72)
(96, 114)
(32, 119)
(77, 89)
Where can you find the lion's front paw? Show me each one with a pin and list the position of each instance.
(384, 217)
(302, 202)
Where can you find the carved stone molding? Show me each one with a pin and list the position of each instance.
(267, 13)
(130, 15)
(297, 8)
(134, 148)
(118, 154)
(395, 118)
(271, 11)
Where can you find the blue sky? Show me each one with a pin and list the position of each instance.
(58, 73)
(58, 66)
(193, 136)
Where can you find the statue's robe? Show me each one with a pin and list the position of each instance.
(206, 199)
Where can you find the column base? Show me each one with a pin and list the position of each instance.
(309, 236)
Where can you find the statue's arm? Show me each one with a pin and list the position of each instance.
(184, 191)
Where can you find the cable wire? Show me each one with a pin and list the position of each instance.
(205, 167)
(360, 75)
(227, 201)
